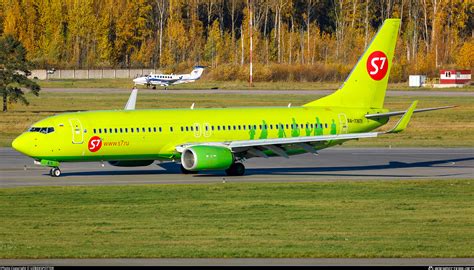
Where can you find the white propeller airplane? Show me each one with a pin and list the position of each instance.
(169, 79)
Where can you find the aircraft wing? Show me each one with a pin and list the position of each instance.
(389, 114)
(281, 146)
(183, 81)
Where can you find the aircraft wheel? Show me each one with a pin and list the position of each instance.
(154, 87)
(184, 171)
(236, 169)
(55, 172)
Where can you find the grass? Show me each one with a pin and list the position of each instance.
(403, 218)
(453, 127)
(228, 85)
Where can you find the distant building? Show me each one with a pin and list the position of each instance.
(454, 77)
(416, 80)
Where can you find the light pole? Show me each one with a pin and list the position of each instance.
(251, 42)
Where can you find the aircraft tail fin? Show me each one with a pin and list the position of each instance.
(366, 85)
(196, 73)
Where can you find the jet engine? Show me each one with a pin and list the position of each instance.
(205, 157)
(131, 163)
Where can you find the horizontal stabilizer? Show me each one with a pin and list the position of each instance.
(389, 114)
(403, 122)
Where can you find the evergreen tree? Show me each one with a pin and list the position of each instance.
(14, 69)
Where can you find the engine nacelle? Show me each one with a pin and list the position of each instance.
(205, 157)
(131, 163)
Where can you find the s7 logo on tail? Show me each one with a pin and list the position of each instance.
(377, 65)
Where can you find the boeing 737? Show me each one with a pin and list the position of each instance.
(169, 79)
(223, 138)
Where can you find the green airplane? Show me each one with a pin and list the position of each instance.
(223, 138)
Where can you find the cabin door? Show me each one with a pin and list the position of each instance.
(77, 131)
(343, 123)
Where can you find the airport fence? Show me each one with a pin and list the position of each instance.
(43, 74)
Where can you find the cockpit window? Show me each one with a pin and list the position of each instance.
(44, 130)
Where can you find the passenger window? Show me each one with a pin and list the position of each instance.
(171, 129)
(326, 125)
(228, 127)
(212, 128)
(138, 130)
(105, 130)
(218, 127)
(116, 130)
(260, 126)
(143, 129)
(223, 127)
(159, 129)
(154, 129)
(94, 131)
(182, 129)
(187, 129)
(100, 131)
(149, 129)
(110, 130)
(192, 129)
(126, 130)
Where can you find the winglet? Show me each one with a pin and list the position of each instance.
(403, 122)
(132, 100)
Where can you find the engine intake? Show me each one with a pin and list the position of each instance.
(204, 157)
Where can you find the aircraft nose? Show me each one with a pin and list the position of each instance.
(138, 80)
(19, 144)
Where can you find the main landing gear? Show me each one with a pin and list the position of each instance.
(55, 172)
(236, 169)
(184, 171)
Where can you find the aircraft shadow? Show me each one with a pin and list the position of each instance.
(374, 170)
(329, 171)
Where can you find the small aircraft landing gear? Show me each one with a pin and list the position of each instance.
(55, 172)
(236, 169)
(154, 87)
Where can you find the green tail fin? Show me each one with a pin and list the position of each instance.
(366, 84)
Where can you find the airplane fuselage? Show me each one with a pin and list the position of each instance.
(154, 134)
